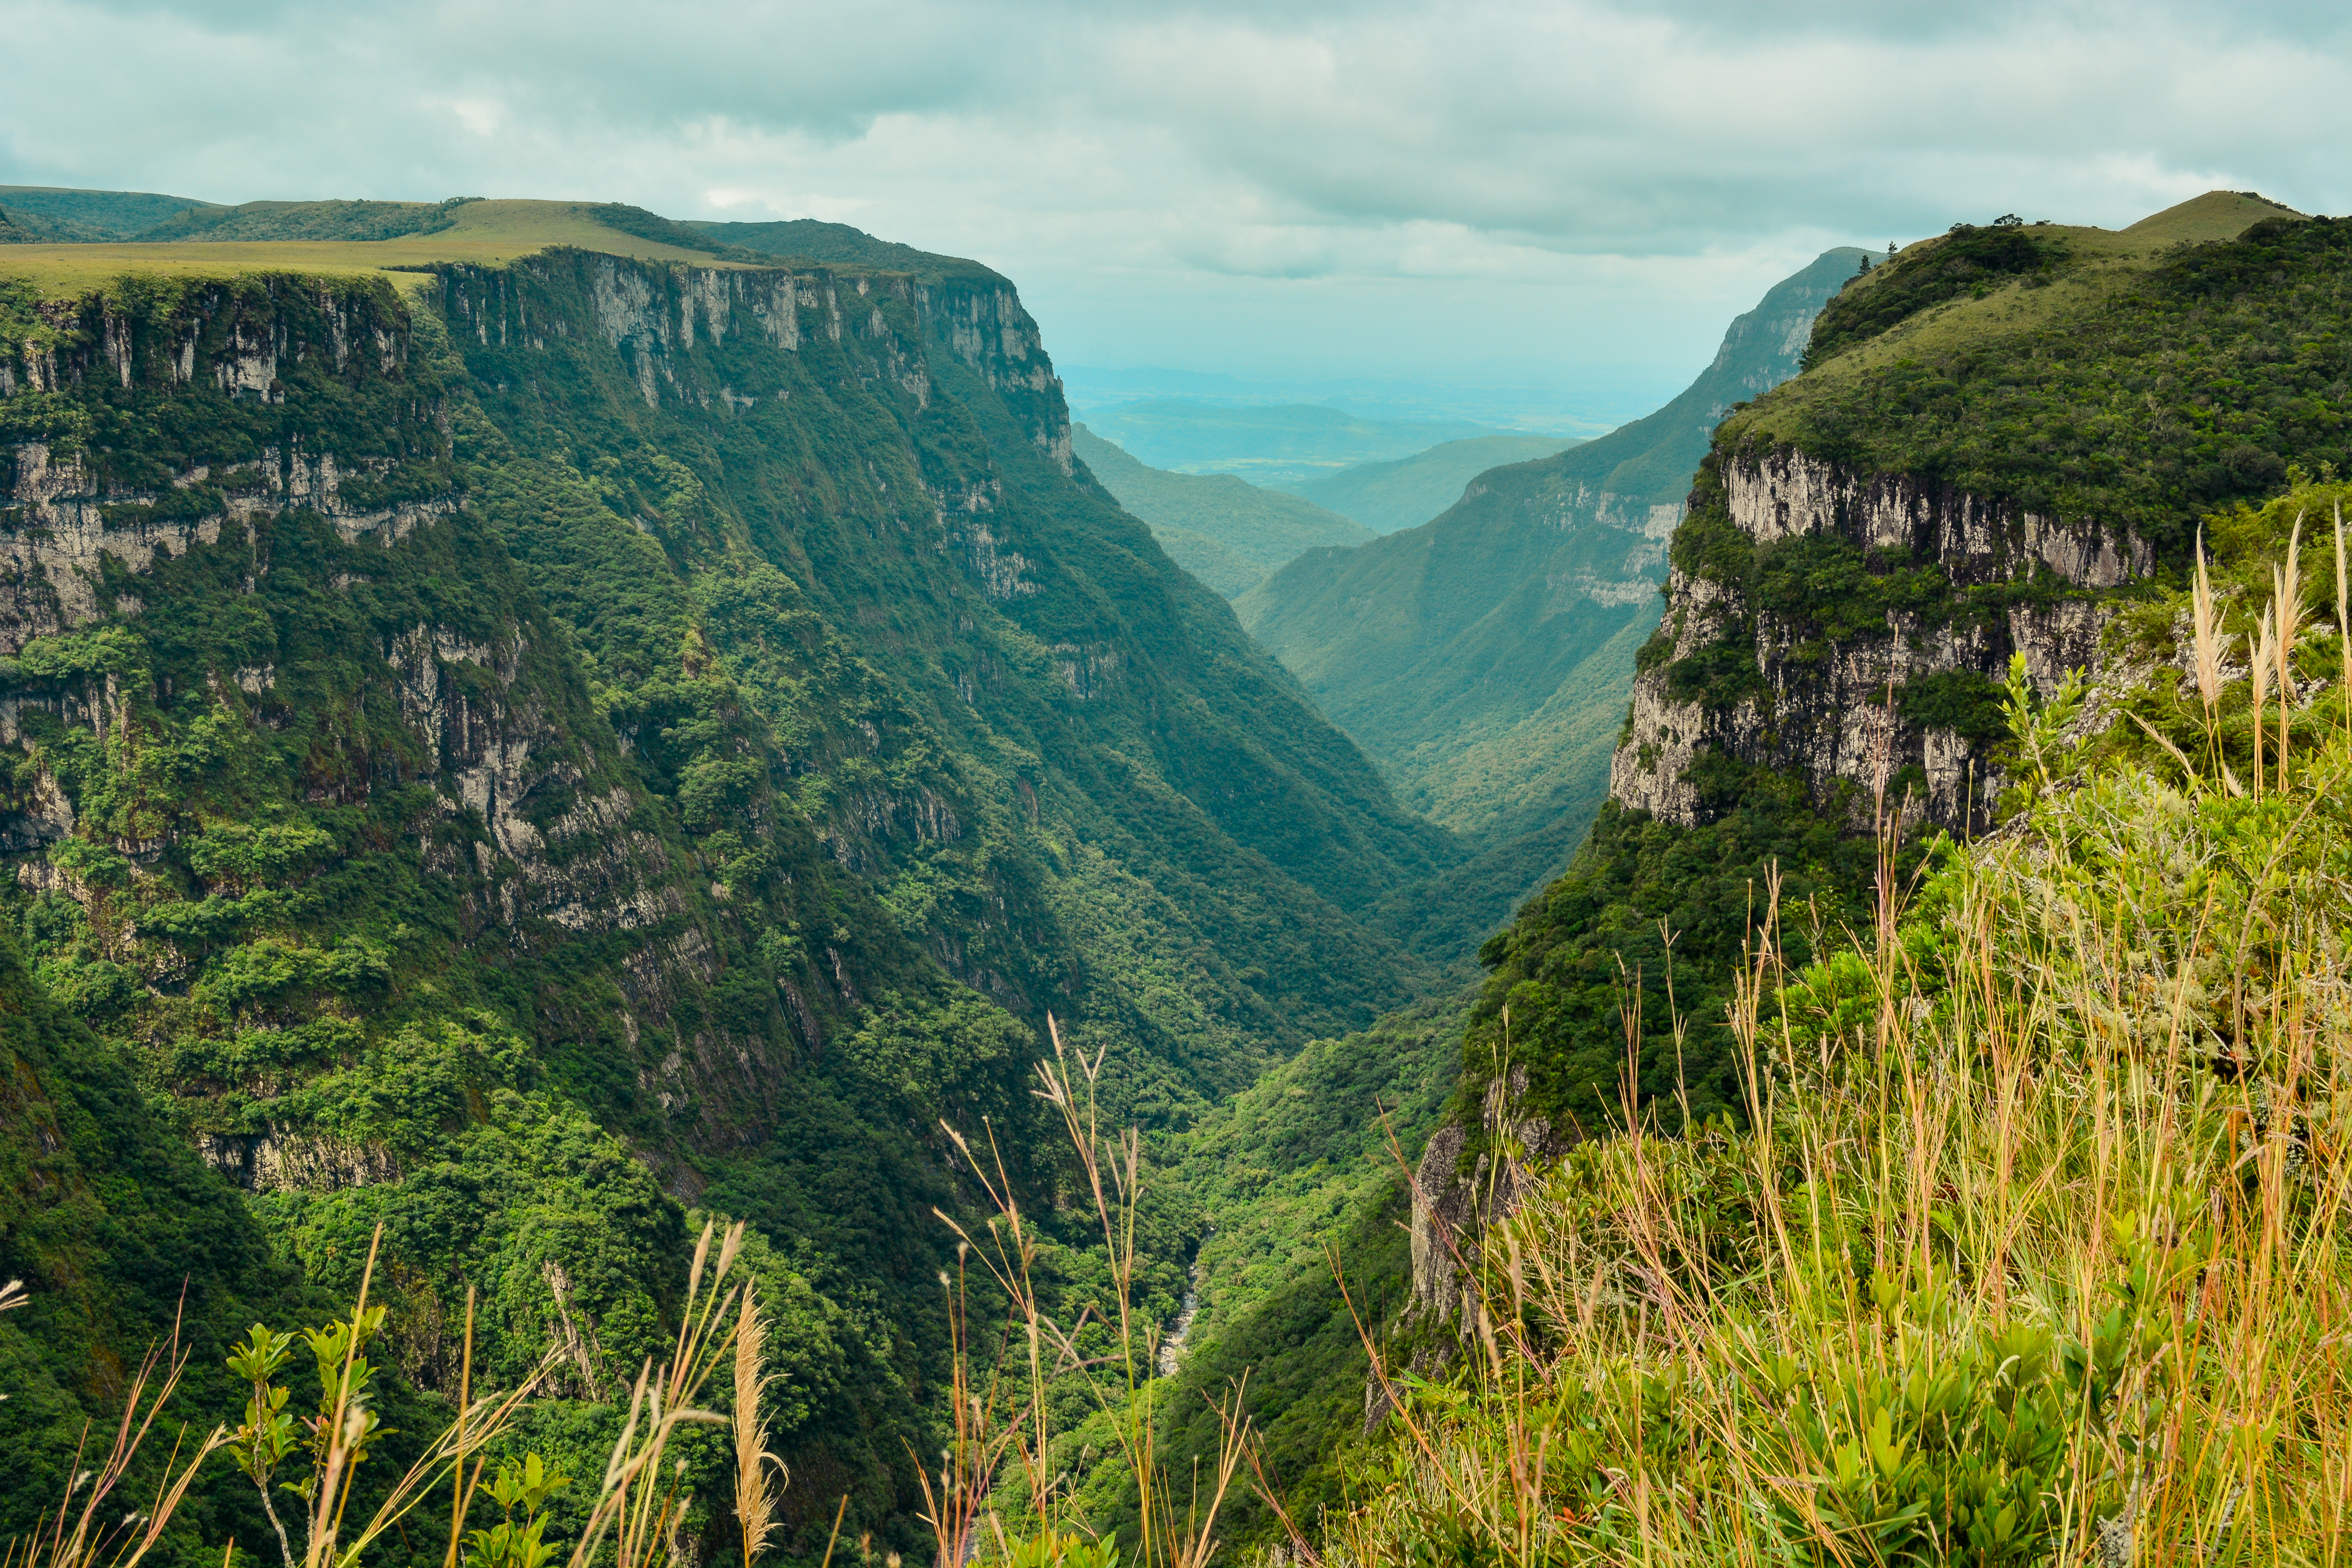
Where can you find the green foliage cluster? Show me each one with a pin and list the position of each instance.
(1627, 961)
(93, 215)
(307, 220)
(21, 227)
(818, 243)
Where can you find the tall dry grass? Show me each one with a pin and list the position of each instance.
(1006, 1489)
(2034, 1248)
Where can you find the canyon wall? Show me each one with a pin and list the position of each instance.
(1827, 693)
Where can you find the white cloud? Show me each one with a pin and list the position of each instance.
(1232, 184)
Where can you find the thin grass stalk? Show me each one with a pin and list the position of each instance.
(2286, 599)
(2343, 622)
(460, 1484)
(755, 1501)
(482, 1425)
(1112, 1179)
(638, 1505)
(89, 1538)
(2205, 629)
(345, 1424)
(2261, 652)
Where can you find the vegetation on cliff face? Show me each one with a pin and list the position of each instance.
(2146, 382)
(2027, 1248)
(510, 761)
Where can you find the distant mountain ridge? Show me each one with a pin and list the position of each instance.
(1276, 445)
(1225, 532)
(1404, 492)
(1485, 658)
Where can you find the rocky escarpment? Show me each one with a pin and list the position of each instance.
(1850, 628)
(238, 539)
(2003, 440)
(589, 727)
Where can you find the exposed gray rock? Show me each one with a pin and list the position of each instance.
(1452, 1203)
(1830, 716)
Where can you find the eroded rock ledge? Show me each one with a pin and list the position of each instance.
(1827, 686)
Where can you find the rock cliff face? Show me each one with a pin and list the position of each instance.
(596, 727)
(1455, 1200)
(1829, 702)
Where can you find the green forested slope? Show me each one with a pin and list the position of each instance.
(304, 220)
(1405, 492)
(507, 759)
(2135, 385)
(122, 1214)
(1223, 530)
(68, 213)
(1485, 658)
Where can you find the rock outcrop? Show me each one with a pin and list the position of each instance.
(1998, 580)
(1453, 1201)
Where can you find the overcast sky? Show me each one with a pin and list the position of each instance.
(1256, 188)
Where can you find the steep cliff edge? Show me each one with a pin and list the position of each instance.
(1862, 672)
(513, 750)
(2003, 431)
(2005, 436)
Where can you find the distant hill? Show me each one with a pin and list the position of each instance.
(308, 220)
(85, 215)
(1283, 444)
(1405, 492)
(1223, 530)
(1485, 658)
